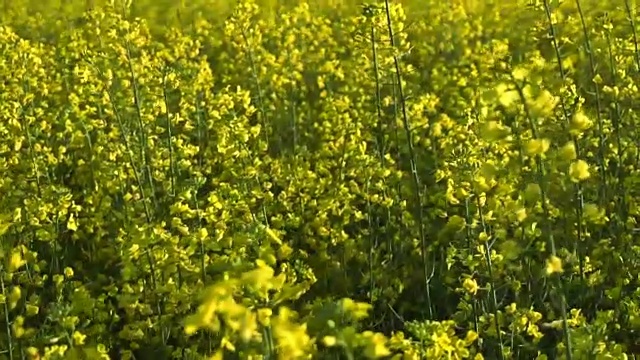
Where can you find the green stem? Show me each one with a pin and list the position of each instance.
(414, 171)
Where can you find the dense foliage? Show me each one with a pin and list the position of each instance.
(334, 180)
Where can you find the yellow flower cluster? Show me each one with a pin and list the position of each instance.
(268, 179)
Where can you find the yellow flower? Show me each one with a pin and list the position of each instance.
(554, 265)
(14, 296)
(442, 343)
(534, 331)
(329, 341)
(202, 233)
(284, 251)
(544, 105)
(534, 316)
(507, 97)
(32, 351)
(521, 214)
(72, 224)
(291, 338)
(78, 338)
(227, 344)
(470, 285)
(593, 214)
(16, 261)
(18, 329)
(409, 354)
(376, 348)
(568, 151)
(480, 184)
(219, 355)
(264, 316)
(597, 79)
(579, 170)
(520, 73)
(471, 337)
(579, 123)
(32, 310)
(537, 146)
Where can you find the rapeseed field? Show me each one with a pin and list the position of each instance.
(328, 179)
